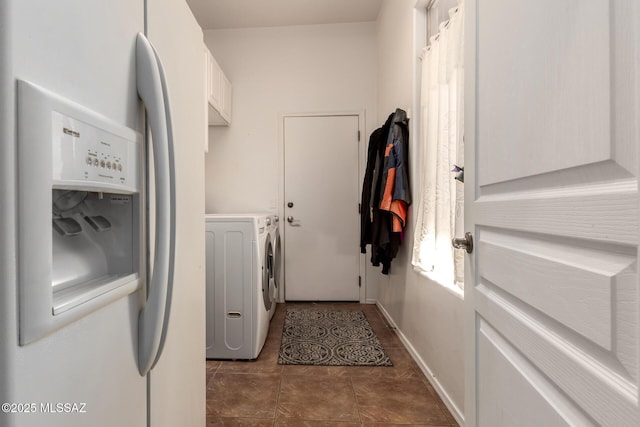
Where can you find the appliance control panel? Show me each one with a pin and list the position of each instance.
(79, 249)
(86, 153)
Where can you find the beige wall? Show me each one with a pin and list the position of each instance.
(298, 69)
(428, 316)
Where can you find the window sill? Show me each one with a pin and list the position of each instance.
(450, 287)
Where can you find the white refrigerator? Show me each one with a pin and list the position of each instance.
(102, 315)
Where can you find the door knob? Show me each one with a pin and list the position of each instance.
(289, 219)
(465, 242)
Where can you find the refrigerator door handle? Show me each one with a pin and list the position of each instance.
(154, 317)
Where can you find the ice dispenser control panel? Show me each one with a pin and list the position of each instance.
(86, 154)
(80, 210)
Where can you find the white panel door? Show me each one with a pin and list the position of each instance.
(551, 197)
(177, 384)
(321, 230)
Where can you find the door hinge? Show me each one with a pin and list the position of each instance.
(359, 281)
(358, 136)
(359, 208)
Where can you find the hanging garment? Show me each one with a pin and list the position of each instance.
(370, 184)
(385, 191)
(396, 194)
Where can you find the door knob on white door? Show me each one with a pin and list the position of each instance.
(293, 222)
(465, 242)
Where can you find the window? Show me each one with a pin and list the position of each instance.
(441, 198)
(437, 13)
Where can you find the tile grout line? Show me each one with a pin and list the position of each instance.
(355, 399)
(275, 411)
(278, 393)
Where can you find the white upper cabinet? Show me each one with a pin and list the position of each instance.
(218, 93)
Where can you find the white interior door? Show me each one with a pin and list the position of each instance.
(552, 293)
(321, 227)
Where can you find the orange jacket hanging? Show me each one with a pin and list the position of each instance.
(395, 194)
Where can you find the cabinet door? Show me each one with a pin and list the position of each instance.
(214, 87)
(225, 107)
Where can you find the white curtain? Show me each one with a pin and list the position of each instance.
(440, 202)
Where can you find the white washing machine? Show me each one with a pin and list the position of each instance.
(276, 262)
(238, 276)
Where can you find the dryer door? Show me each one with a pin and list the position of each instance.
(277, 265)
(267, 275)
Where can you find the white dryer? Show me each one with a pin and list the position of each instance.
(238, 276)
(276, 263)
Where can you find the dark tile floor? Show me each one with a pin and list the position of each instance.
(263, 393)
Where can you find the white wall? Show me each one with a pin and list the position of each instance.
(319, 68)
(428, 316)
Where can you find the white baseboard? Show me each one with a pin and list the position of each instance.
(453, 408)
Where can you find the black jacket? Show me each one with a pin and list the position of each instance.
(376, 224)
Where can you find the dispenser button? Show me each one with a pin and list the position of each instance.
(108, 165)
(89, 161)
(102, 163)
(119, 167)
(95, 162)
